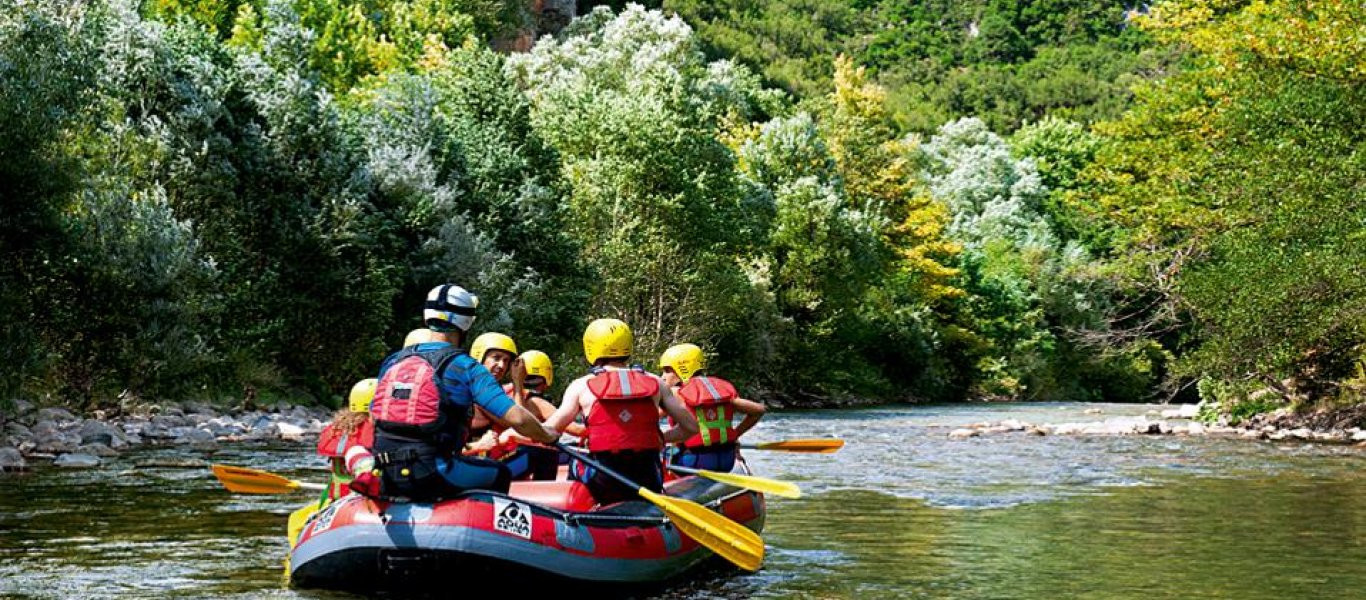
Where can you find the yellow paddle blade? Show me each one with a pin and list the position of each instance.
(732, 541)
(814, 445)
(241, 480)
(749, 482)
(298, 519)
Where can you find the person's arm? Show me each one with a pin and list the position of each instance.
(569, 408)
(752, 410)
(685, 423)
(488, 394)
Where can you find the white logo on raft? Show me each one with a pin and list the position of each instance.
(512, 517)
(323, 521)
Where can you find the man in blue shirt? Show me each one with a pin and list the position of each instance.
(419, 457)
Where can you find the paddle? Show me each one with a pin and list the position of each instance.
(297, 520)
(241, 480)
(725, 537)
(813, 445)
(749, 482)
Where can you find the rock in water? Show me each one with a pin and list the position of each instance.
(77, 461)
(11, 460)
(1195, 428)
(96, 432)
(962, 434)
(97, 450)
(289, 431)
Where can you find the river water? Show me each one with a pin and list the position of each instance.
(901, 512)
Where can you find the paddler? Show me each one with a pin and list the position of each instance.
(350, 427)
(714, 402)
(495, 351)
(621, 405)
(422, 412)
(539, 463)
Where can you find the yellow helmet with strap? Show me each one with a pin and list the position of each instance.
(417, 336)
(538, 365)
(492, 341)
(361, 395)
(684, 359)
(607, 338)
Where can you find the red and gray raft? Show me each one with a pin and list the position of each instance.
(540, 529)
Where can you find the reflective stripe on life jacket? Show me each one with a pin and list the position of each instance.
(625, 416)
(710, 399)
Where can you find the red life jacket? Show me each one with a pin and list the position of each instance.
(710, 399)
(334, 444)
(625, 416)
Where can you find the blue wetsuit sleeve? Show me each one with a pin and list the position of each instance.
(480, 387)
(486, 392)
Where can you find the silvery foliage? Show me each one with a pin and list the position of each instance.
(128, 234)
(786, 149)
(400, 131)
(996, 205)
(641, 66)
(820, 241)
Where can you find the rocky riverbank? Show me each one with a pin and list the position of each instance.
(56, 434)
(1177, 421)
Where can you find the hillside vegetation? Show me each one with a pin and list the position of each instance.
(901, 200)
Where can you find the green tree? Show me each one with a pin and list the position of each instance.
(1231, 192)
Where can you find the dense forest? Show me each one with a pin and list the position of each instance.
(891, 200)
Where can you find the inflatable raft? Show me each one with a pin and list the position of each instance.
(542, 530)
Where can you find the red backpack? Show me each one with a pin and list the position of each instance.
(408, 397)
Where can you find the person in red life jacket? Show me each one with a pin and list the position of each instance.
(349, 428)
(422, 408)
(496, 352)
(539, 463)
(621, 404)
(714, 402)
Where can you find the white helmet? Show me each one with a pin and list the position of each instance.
(450, 307)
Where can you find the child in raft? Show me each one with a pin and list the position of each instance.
(351, 427)
(714, 402)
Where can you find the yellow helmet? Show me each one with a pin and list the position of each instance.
(492, 341)
(417, 336)
(538, 364)
(361, 395)
(607, 338)
(684, 359)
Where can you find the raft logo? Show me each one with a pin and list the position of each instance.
(512, 517)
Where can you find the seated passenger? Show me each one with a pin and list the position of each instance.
(621, 403)
(422, 412)
(496, 352)
(349, 428)
(714, 402)
(538, 462)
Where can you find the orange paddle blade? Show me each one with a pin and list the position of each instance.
(241, 480)
(813, 445)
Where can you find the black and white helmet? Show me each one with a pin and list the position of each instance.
(450, 307)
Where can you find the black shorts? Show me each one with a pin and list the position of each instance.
(643, 467)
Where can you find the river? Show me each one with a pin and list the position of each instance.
(901, 512)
